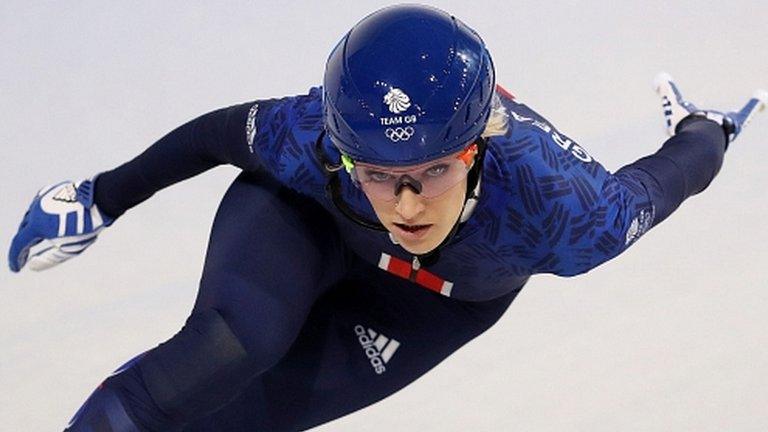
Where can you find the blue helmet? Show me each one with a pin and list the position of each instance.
(406, 85)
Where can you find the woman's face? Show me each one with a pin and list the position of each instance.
(419, 224)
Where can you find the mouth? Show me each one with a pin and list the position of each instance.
(412, 232)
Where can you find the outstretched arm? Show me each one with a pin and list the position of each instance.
(589, 215)
(219, 137)
(66, 218)
(684, 166)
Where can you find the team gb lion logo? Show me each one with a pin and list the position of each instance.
(397, 101)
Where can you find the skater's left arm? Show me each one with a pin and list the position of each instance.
(587, 215)
(606, 213)
(642, 194)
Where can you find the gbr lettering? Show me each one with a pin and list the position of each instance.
(566, 144)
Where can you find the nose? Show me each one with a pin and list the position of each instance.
(409, 205)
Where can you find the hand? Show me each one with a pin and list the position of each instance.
(61, 222)
(676, 109)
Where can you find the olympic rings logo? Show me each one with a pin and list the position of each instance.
(399, 133)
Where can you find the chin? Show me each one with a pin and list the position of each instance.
(419, 248)
(415, 251)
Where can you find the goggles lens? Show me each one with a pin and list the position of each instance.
(428, 179)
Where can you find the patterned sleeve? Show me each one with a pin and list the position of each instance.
(579, 214)
(286, 142)
(570, 211)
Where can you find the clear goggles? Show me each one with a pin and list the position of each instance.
(429, 179)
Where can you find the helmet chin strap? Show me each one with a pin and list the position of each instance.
(470, 203)
(333, 187)
(472, 196)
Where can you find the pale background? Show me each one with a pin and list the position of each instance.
(668, 337)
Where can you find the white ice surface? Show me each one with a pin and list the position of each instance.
(670, 336)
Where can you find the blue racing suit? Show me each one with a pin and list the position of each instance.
(303, 315)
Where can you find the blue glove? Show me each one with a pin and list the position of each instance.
(61, 222)
(676, 109)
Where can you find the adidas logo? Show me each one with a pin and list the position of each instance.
(378, 348)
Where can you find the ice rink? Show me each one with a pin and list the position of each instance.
(670, 336)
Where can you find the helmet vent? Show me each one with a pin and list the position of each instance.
(467, 112)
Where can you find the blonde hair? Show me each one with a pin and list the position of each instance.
(498, 122)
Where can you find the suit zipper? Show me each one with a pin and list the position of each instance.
(415, 266)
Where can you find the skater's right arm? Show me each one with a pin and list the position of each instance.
(219, 137)
(66, 218)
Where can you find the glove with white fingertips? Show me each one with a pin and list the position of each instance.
(61, 223)
(677, 109)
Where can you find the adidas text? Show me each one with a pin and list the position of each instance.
(378, 348)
